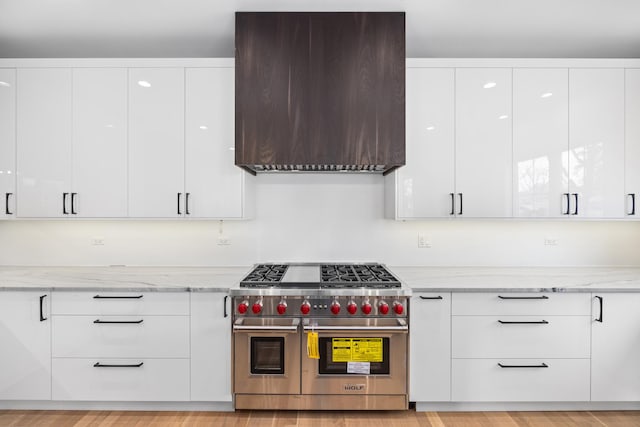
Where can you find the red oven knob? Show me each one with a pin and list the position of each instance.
(398, 308)
(243, 307)
(335, 307)
(383, 307)
(282, 307)
(305, 308)
(366, 308)
(257, 307)
(352, 308)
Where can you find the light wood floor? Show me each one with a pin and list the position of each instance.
(318, 419)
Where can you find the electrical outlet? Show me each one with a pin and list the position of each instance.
(548, 241)
(97, 241)
(224, 240)
(424, 241)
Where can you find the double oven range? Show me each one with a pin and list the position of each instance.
(354, 318)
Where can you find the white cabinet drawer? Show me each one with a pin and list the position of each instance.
(98, 336)
(566, 337)
(154, 380)
(120, 303)
(520, 304)
(483, 380)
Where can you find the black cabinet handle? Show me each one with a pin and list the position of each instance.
(179, 197)
(73, 203)
(64, 203)
(599, 319)
(117, 297)
(568, 200)
(226, 297)
(6, 203)
(460, 211)
(508, 322)
(42, 318)
(438, 297)
(633, 203)
(542, 365)
(540, 297)
(100, 365)
(453, 204)
(137, 322)
(575, 211)
(186, 203)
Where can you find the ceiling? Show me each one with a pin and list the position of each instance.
(205, 28)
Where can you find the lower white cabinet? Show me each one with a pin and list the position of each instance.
(120, 379)
(25, 346)
(430, 348)
(615, 351)
(210, 347)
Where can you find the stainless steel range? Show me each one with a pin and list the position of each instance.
(321, 336)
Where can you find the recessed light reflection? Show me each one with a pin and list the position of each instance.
(546, 95)
(5, 84)
(9, 172)
(232, 149)
(431, 128)
(144, 83)
(489, 85)
(502, 117)
(109, 126)
(204, 127)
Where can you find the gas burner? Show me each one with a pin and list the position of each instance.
(266, 273)
(374, 275)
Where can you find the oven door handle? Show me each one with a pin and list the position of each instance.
(244, 328)
(363, 329)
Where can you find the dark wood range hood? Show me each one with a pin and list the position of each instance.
(320, 91)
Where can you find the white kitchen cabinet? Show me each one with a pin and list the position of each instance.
(632, 142)
(214, 186)
(423, 187)
(156, 142)
(483, 155)
(44, 126)
(7, 143)
(430, 351)
(210, 347)
(596, 142)
(615, 351)
(99, 154)
(540, 141)
(25, 337)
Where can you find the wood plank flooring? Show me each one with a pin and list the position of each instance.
(318, 419)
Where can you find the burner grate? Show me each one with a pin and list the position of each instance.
(266, 273)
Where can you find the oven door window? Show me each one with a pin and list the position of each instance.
(267, 355)
(326, 365)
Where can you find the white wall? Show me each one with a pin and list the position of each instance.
(303, 217)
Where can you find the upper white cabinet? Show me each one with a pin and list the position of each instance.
(596, 143)
(424, 187)
(540, 141)
(7, 143)
(483, 142)
(632, 142)
(214, 186)
(156, 142)
(99, 154)
(44, 125)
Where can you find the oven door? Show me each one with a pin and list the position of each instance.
(267, 356)
(357, 356)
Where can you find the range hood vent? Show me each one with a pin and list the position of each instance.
(320, 91)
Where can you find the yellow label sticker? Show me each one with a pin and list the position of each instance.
(312, 345)
(356, 349)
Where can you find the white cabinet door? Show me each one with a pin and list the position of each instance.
(596, 142)
(615, 348)
(25, 334)
(99, 178)
(210, 347)
(430, 351)
(213, 184)
(632, 142)
(483, 142)
(44, 120)
(540, 142)
(425, 183)
(7, 143)
(156, 142)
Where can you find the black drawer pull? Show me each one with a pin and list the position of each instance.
(117, 297)
(507, 322)
(100, 365)
(453, 204)
(42, 318)
(6, 203)
(599, 319)
(438, 297)
(542, 365)
(541, 297)
(137, 322)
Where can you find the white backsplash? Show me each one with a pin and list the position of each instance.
(302, 217)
